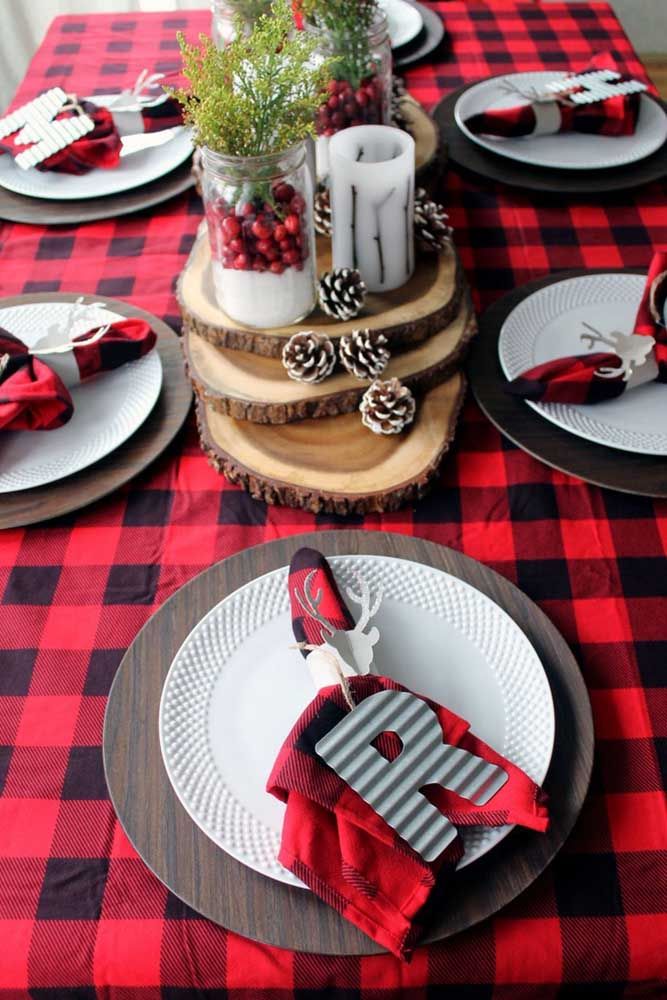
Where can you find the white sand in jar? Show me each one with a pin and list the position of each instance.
(262, 299)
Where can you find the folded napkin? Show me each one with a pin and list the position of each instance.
(101, 147)
(342, 848)
(550, 115)
(634, 360)
(34, 396)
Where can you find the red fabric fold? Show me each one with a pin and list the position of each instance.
(349, 856)
(127, 340)
(332, 607)
(574, 378)
(616, 116)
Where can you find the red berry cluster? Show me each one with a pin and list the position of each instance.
(346, 106)
(259, 236)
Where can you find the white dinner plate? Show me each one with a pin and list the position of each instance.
(235, 689)
(567, 150)
(107, 409)
(548, 325)
(404, 21)
(133, 171)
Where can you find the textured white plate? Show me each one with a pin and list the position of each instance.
(107, 409)
(547, 325)
(235, 689)
(569, 150)
(132, 171)
(404, 21)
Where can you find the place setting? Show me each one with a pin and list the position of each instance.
(416, 31)
(594, 130)
(279, 716)
(586, 352)
(91, 391)
(67, 159)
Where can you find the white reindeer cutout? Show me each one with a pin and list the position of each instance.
(353, 649)
(59, 336)
(631, 348)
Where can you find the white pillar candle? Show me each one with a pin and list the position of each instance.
(372, 203)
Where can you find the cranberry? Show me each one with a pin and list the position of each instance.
(291, 257)
(277, 267)
(279, 233)
(297, 204)
(261, 230)
(241, 262)
(237, 245)
(231, 227)
(287, 243)
(263, 246)
(283, 192)
(245, 210)
(292, 225)
(337, 119)
(272, 254)
(333, 102)
(332, 86)
(258, 264)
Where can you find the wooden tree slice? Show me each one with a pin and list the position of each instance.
(409, 315)
(334, 465)
(248, 387)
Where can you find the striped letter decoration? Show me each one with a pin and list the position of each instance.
(393, 788)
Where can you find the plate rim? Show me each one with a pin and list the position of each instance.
(547, 411)
(514, 154)
(418, 20)
(288, 878)
(59, 198)
(225, 891)
(152, 358)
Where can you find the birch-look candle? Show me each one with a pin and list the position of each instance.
(372, 203)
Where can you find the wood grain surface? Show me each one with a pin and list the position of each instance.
(468, 156)
(335, 465)
(249, 387)
(223, 889)
(48, 212)
(150, 440)
(644, 475)
(408, 315)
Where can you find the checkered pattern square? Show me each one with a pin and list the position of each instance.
(80, 915)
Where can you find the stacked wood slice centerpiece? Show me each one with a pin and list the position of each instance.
(304, 444)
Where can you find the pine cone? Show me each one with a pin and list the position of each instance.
(432, 230)
(398, 92)
(387, 407)
(322, 211)
(363, 353)
(309, 356)
(342, 293)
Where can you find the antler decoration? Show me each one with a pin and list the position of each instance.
(79, 312)
(364, 599)
(311, 602)
(632, 350)
(137, 96)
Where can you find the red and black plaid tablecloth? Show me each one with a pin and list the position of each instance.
(80, 915)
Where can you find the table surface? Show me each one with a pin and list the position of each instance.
(80, 915)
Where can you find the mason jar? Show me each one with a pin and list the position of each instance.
(260, 224)
(360, 91)
(223, 14)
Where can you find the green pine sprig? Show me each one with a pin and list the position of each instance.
(259, 94)
(347, 24)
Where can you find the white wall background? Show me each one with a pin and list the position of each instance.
(23, 23)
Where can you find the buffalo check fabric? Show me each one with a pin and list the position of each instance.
(80, 915)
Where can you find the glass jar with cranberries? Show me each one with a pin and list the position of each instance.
(360, 91)
(260, 223)
(225, 11)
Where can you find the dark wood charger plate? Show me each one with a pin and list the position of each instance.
(644, 475)
(468, 156)
(48, 212)
(150, 440)
(427, 41)
(223, 889)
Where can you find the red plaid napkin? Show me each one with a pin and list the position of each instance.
(332, 607)
(613, 117)
(340, 846)
(34, 397)
(598, 377)
(101, 148)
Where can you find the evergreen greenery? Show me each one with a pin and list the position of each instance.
(259, 94)
(346, 24)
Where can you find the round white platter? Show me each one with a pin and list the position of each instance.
(108, 409)
(236, 688)
(405, 21)
(548, 325)
(133, 171)
(567, 150)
